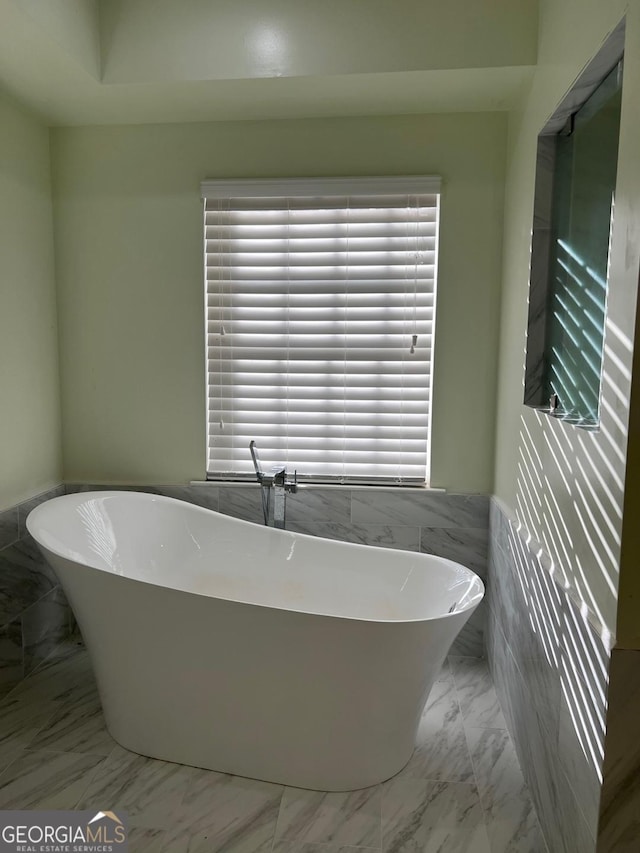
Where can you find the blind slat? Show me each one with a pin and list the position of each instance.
(357, 352)
(308, 277)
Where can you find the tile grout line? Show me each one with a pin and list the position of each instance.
(275, 826)
(379, 788)
(472, 762)
(465, 727)
(483, 808)
(33, 672)
(10, 544)
(20, 754)
(512, 740)
(482, 794)
(92, 776)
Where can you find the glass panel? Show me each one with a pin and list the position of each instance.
(583, 195)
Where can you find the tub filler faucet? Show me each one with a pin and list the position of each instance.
(277, 482)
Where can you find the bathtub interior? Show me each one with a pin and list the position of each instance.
(170, 543)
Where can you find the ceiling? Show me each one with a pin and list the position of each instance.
(141, 61)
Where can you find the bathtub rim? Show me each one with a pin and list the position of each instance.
(473, 602)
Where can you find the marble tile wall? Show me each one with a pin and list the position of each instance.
(550, 667)
(34, 615)
(454, 526)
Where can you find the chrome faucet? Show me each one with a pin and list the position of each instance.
(280, 483)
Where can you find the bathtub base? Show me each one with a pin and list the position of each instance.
(338, 783)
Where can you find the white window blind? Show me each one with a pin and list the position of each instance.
(320, 300)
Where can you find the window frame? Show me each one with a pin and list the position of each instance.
(538, 392)
(291, 188)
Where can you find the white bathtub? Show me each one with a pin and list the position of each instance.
(223, 644)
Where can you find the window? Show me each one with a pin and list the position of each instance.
(574, 208)
(320, 300)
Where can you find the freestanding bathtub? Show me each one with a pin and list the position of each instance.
(227, 645)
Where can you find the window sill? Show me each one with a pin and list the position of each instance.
(302, 487)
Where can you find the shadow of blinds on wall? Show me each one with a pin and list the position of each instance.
(320, 301)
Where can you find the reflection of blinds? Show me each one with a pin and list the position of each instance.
(315, 290)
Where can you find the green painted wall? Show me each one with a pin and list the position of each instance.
(30, 455)
(130, 278)
(285, 38)
(565, 484)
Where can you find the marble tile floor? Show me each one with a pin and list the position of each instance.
(461, 792)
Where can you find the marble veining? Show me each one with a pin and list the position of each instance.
(466, 545)
(44, 625)
(502, 668)
(470, 641)
(564, 825)
(351, 818)
(445, 673)
(512, 823)
(441, 747)
(550, 666)
(423, 508)
(145, 840)
(577, 742)
(533, 610)
(9, 530)
(34, 614)
(571, 831)
(11, 655)
(18, 727)
(380, 535)
(310, 504)
(243, 502)
(150, 791)
(306, 847)
(46, 780)
(222, 812)
(77, 727)
(477, 696)
(26, 577)
(432, 817)
(75, 488)
(536, 750)
(206, 495)
(460, 793)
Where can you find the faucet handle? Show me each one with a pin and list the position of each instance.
(256, 461)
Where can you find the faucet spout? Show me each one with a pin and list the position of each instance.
(277, 481)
